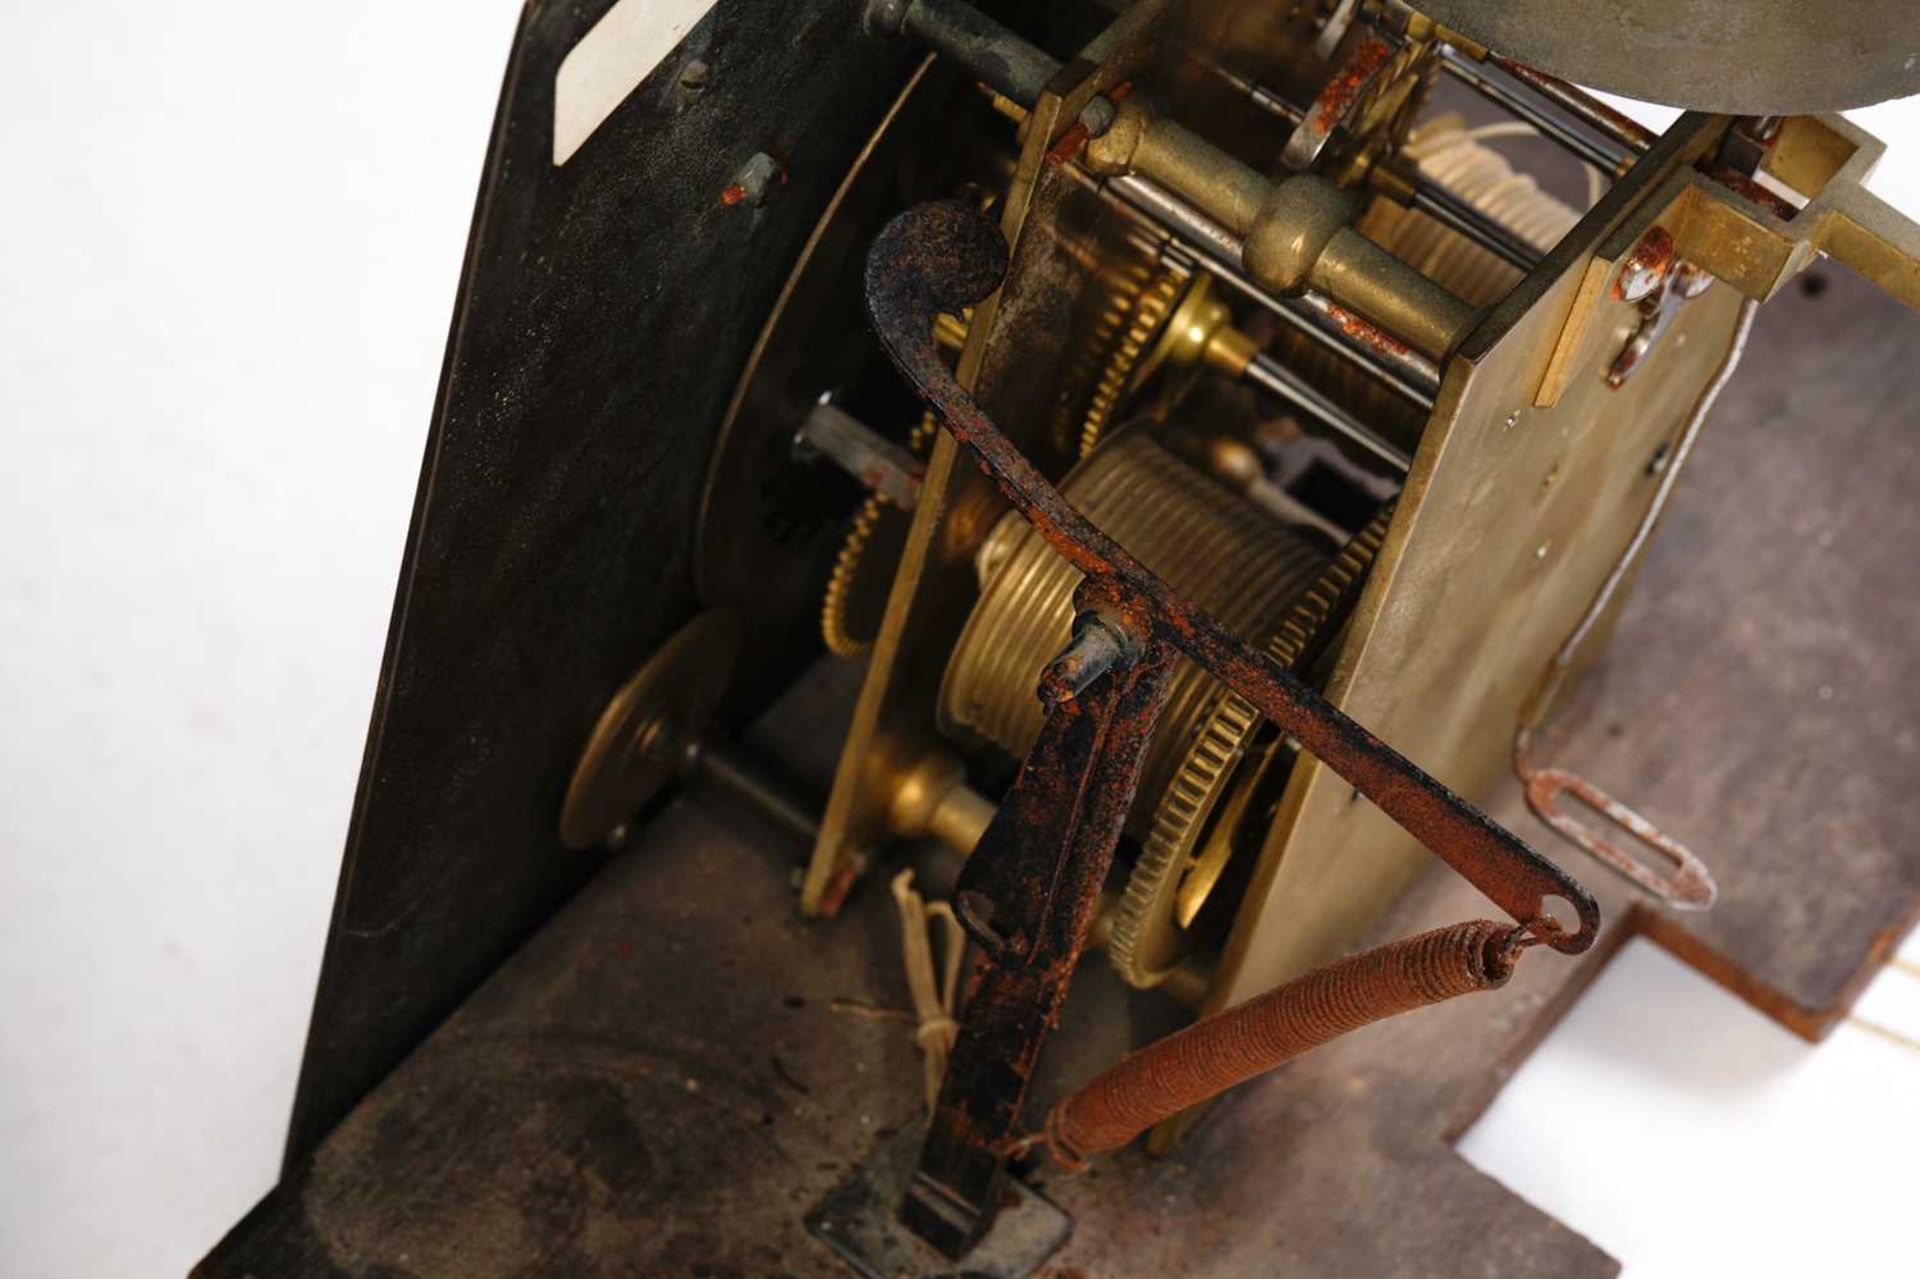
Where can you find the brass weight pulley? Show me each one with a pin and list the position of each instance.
(1264, 577)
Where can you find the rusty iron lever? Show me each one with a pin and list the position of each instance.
(945, 256)
(1028, 896)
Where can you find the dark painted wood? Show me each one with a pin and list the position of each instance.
(605, 312)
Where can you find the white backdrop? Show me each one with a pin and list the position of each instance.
(231, 238)
(229, 244)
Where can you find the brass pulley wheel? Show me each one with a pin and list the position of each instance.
(1189, 842)
(1212, 545)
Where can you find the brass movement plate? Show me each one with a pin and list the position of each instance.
(1025, 324)
(1512, 517)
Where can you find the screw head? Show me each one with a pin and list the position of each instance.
(886, 16)
(1098, 116)
(1646, 266)
(754, 181)
(1638, 280)
(695, 78)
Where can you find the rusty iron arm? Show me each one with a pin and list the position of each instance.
(1028, 895)
(941, 257)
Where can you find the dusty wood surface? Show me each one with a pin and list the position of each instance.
(662, 1081)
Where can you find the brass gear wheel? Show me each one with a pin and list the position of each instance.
(1143, 308)
(837, 625)
(1149, 941)
(1118, 374)
(840, 630)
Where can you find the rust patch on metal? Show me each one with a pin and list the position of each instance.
(1685, 883)
(1367, 333)
(1745, 186)
(1345, 87)
(838, 887)
(740, 193)
(1079, 135)
(1646, 266)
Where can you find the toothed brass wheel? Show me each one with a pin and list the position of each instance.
(856, 595)
(1183, 856)
(1124, 368)
(850, 612)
